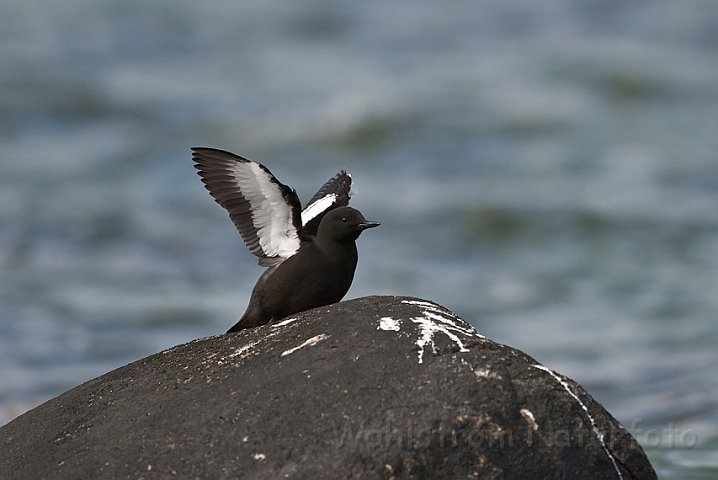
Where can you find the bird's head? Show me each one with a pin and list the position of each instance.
(343, 224)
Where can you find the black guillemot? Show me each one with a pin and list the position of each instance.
(311, 253)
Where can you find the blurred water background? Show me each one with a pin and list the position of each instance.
(546, 169)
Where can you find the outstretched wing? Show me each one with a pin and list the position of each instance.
(334, 193)
(265, 211)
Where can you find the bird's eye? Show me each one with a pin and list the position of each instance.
(344, 219)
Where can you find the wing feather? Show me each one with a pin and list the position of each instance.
(265, 211)
(334, 193)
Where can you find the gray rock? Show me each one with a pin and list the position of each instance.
(377, 387)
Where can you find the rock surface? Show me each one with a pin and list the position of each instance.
(377, 387)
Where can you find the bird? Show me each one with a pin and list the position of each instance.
(310, 254)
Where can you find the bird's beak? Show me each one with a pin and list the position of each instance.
(368, 224)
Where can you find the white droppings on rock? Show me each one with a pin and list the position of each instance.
(284, 322)
(389, 324)
(428, 327)
(596, 431)
(238, 352)
(437, 319)
(429, 306)
(529, 417)
(466, 330)
(259, 456)
(245, 348)
(242, 349)
(482, 372)
(308, 343)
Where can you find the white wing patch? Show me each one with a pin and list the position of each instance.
(317, 207)
(271, 215)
